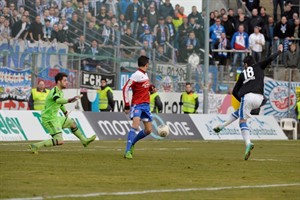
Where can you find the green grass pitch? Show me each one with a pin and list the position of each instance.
(159, 170)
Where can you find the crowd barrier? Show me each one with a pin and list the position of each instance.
(26, 126)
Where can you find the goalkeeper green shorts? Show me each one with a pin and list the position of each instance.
(55, 126)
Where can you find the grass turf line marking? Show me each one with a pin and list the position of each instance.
(156, 191)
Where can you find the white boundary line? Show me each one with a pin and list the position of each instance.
(156, 191)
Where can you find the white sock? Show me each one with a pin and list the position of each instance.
(229, 121)
(246, 136)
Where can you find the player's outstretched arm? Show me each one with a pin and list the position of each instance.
(60, 100)
(272, 57)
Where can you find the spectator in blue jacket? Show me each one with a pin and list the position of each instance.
(215, 32)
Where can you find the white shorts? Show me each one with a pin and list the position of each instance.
(249, 102)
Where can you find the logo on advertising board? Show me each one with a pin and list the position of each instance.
(260, 127)
(93, 80)
(279, 101)
(10, 128)
(116, 125)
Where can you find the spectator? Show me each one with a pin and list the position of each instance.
(275, 6)
(161, 33)
(254, 21)
(54, 34)
(53, 19)
(94, 6)
(102, 17)
(45, 16)
(282, 31)
(2, 4)
(147, 36)
(106, 97)
(166, 9)
(196, 15)
(123, 5)
(116, 37)
(292, 57)
(156, 105)
(222, 12)
(230, 14)
(264, 16)
(160, 55)
(67, 11)
(228, 26)
(143, 26)
(107, 32)
(215, 32)
(222, 44)
(36, 30)
(112, 6)
(122, 24)
(47, 30)
(92, 63)
(20, 29)
(91, 32)
(251, 4)
(14, 18)
(256, 43)
(6, 14)
(63, 35)
(181, 13)
(38, 96)
(288, 13)
(212, 18)
(239, 41)
(192, 45)
(242, 20)
(80, 46)
(172, 30)
(152, 17)
(5, 30)
(37, 9)
(75, 28)
(189, 100)
(268, 32)
(128, 41)
(133, 17)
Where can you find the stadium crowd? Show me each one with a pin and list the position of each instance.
(152, 24)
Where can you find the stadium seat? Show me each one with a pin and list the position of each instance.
(289, 124)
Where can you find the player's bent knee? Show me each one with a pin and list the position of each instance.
(148, 131)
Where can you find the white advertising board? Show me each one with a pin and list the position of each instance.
(261, 127)
(18, 125)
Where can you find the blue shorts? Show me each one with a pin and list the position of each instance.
(142, 111)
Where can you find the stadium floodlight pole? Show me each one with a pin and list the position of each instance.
(206, 57)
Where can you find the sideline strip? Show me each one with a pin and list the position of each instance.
(156, 191)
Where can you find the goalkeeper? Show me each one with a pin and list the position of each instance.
(53, 123)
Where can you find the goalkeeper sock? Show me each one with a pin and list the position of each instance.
(76, 131)
(139, 136)
(130, 138)
(45, 143)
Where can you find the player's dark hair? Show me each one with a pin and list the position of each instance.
(60, 76)
(249, 60)
(188, 83)
(104, 79)
(142, 61)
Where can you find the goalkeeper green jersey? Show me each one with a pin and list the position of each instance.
(54, 101)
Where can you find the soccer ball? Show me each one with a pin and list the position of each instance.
(163, 130)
